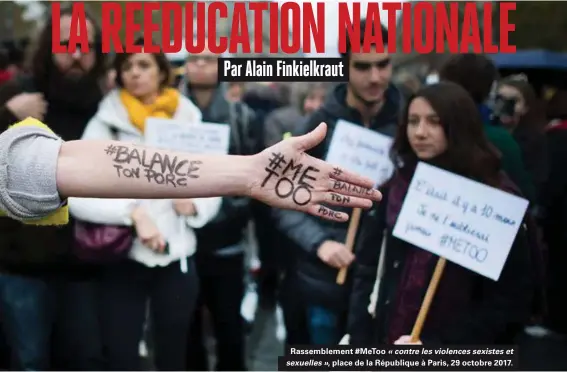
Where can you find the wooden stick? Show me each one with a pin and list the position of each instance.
(439, 268)
(351, 235)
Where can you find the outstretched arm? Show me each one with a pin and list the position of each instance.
(45, 169)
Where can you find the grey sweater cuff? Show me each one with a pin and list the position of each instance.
(28, 172)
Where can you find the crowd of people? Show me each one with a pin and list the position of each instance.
(60, 310)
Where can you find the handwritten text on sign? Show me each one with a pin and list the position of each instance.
(198, 138)
(466, 222)
(361, 150)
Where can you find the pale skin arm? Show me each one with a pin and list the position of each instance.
(101, 169)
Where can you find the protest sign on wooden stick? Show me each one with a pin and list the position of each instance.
(428, 299)
(463, 221)
(365, 152)
(351, 236)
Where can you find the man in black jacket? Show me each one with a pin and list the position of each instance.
(38, 273)
(220, 254)
(370, 100)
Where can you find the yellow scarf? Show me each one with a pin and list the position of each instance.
(60, 216)
(164, 107)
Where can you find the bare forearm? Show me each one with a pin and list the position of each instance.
(40, 170)
(110, 169)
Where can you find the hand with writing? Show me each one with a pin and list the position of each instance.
(406, 340)
(286, 177)
(335, 254)
(147, 230)
(184, 207)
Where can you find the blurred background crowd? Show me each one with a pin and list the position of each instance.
(247, 301)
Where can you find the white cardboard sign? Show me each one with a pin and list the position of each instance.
(197, 138)
(361, 150)
(468, 223)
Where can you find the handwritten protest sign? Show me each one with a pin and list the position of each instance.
(198, 138)
(361, 150)
(466, 222)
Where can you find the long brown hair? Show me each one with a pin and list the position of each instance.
(468, 151)
(40, 60)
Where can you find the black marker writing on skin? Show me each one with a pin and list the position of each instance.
(337, 171)
(111, 149)
(305, 177)
(292, 182)
(342, 199)
(300, 194)
(343, 186)
(275, 162)
(155, 167)
(127, 172)
(156, 161)
(164, 179)
(326, 212)
(294, 168)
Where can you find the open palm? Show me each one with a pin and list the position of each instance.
(289, 178)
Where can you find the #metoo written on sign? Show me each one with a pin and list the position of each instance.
(294, 27)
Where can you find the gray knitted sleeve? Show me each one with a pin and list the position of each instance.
(28, 169)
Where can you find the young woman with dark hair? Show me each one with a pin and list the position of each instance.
(441, 126)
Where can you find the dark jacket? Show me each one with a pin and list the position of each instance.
(281, 121)
(467, 308)
(511, 154)
(511, 157)
(226, 229)
(41, 250)
(262, 101)
(554, 222)
(309, 232)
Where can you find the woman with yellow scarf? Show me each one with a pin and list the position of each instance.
(159, 267)
(38, 171)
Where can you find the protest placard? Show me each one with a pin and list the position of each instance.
(365, 152)
(466, 222)
(197, 138)
(361, 150)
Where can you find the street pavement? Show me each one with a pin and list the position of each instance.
(263, 345)
(535, 353)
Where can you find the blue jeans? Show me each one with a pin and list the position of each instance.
(27, 318)
(323, 326)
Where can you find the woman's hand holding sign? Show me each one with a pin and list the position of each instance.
(286, 177)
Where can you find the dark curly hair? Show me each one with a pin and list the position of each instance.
(468, 151)
(41, 61)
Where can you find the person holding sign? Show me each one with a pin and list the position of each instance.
(371, 103)
(164, 244)
(440, 127)
(48, 170)
(220, 252)
(159, 265)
